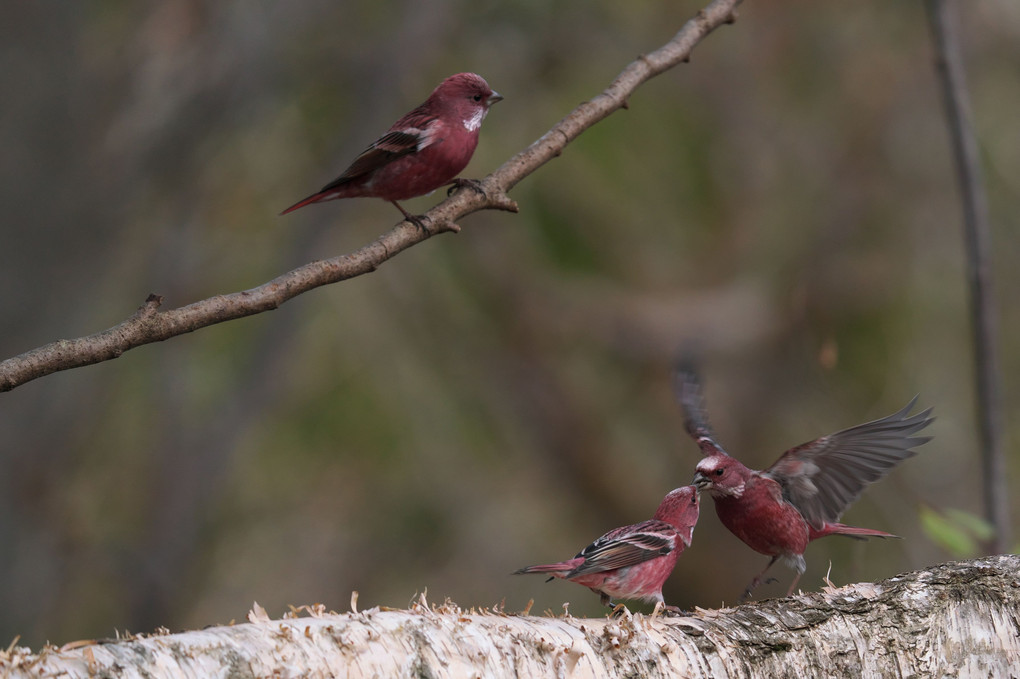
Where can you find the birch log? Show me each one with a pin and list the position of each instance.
(958, 619)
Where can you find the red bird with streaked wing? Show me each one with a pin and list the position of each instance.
(800, 498)
(633, 562)
(422, 151)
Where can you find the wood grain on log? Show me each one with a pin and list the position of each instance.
(958, 619)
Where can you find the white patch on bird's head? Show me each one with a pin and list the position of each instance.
(475, 121)
(709, 465)
(713, 468)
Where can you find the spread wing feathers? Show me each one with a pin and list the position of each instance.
(823, 477)
(394, 144)
(687, 388)
(626, 546)
(688, 391)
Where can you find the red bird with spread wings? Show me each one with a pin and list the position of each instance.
(800, 498)
(422, 151)
(633, 562)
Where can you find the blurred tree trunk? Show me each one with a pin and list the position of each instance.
(977, 237)
(956, 619)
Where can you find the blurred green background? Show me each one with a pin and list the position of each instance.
(496, 398)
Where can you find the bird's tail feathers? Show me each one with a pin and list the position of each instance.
(556, 569)
(314, 198)
(330, 192)
(851, 532)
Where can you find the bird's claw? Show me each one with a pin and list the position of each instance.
(419, 221)
(753, 586)
(460, 183)
(747, 592)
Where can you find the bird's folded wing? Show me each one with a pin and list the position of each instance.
(626, 547)
(392, 145)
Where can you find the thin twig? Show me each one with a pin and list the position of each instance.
(149, 324)
(977, 238)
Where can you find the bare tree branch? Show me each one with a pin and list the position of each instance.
(978, 239)
(149, 324)
(955, 619)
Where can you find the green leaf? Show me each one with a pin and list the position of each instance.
(974, 524)
(946, 532)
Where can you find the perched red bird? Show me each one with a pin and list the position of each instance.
(800, 498)
(422, 151)
(633, 562)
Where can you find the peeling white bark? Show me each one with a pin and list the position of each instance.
(958, 619)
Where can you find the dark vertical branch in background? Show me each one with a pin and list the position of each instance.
(977, 236)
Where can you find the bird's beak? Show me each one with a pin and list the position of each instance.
(493, 98)
(701, 482)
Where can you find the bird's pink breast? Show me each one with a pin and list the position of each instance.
(424, 171)
(765, 525)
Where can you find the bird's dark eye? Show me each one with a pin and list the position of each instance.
(477, 97)
(718, 472)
